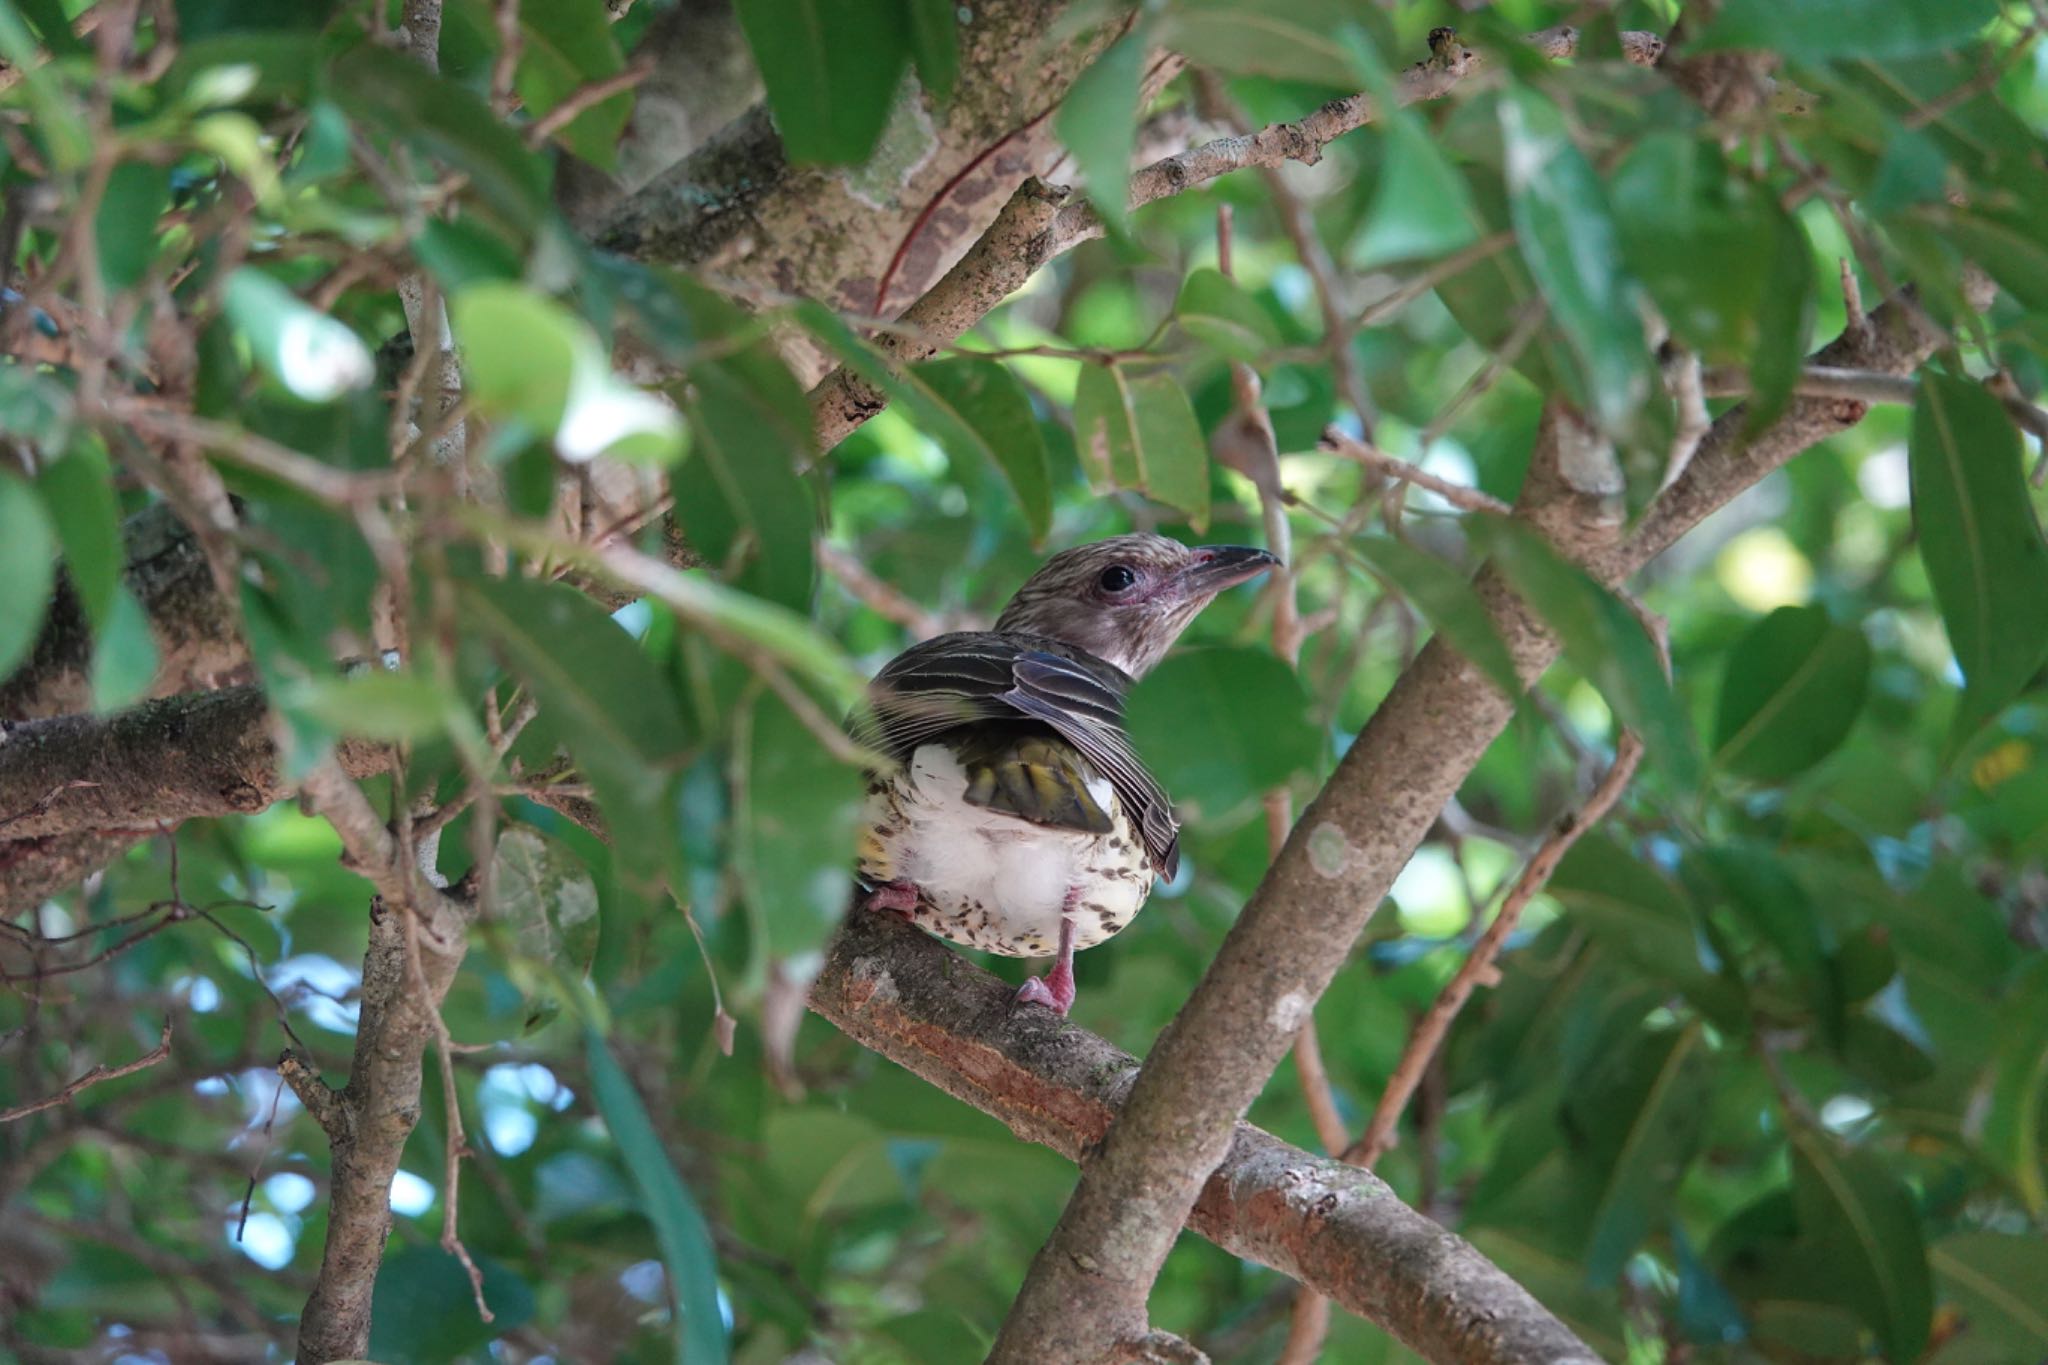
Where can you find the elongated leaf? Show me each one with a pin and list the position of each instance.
(1981, 543)
(832, 68)
(1625, 903)
(28, 554)
(1217, 310)
(1420, 207)
(1994, 1280)
(79, 492)
(1603, 640)
(136, 195)
(1137, 431)
(1864, 1220)
(422, 1309)
(739, 497)
(797, 824)
(2014, 1129)
(548, 901)
(935, 42)
(1300, 40)
(1635, 1125)
(1573, 250)
(566, 47)
(124, 657)
(1754, 882)
(1792, 692)
(1815, 30)
(1446, 600)
(1219, 726)
(679, 1227)
(1098, 123)
(976, 409)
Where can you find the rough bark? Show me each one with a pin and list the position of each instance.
(1084, 1300)
(1340, 1229)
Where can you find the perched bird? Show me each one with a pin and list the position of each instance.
(1018, 818)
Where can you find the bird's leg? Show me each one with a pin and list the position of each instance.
(899, 895)
(1056, 988)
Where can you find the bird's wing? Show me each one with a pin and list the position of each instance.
(956, 680)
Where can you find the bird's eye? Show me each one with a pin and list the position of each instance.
(1116, 578)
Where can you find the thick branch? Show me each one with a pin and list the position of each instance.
(892, 989)
(1087, 1289)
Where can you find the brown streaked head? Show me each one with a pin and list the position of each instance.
(1127, 599)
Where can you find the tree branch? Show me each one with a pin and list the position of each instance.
(1337, 1228)
(91, 1078)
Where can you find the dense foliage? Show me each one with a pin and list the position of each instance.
(1766, 1071)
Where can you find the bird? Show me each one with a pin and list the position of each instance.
(1014, 815)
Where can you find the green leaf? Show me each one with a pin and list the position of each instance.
(564, 48)
(315, 357)
(679, 1227)
(1755, 883)
(136, 195)
(379, 704)
(832, 68)
(2013, 1130)
(1290, 39)
(1420, 207)
(1098, 124)
(1572, 248)
(124, 657)
(795, 840)
(422, 1309)
(1626, 903)
(935, 42)
(1994, 1279)
(739, 498)
(1980, 542)
(385, 89)
(1603, 640)
(1819, 30)
(1137, 431)
(1195, 720)
(548, 901)
(28, 555)
(1634, 1125)
(79, 492)
(977, 409)
(1446, 600)
(1791, 694)
(1864, 1221)
(1214, 309)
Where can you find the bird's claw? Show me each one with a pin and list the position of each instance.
(1036, 991)
(899, 896)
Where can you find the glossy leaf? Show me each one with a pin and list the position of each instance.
(1981, 543)
(1420, 207)
(1219, 726)
(1137, 431)
(1846, 28)
(1603, 640)
(1864, 1220)
(1098, 124)
(28, 553)
(1215, 309)
(796, 829)
(315, 357)
(976, 408)
(679, 1227)
(1447, 601)
(1792, 692)
(78, 491)
(935, 43)
(739, 497)
(832, 68)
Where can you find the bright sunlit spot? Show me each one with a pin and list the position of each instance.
(410, 1195)
(1883, 477)
(510, 1128)
(267, 1240)
(289, 1192)
(1431, 894)
(1762, 570)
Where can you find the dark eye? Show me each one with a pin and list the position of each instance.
(1116, 578)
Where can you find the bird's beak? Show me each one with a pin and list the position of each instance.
(1216, 567)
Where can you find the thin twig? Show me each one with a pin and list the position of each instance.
(586, 96)
(879, 596)
(1457, 494)
(92, 1078)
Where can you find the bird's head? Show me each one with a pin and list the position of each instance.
(1127, 599)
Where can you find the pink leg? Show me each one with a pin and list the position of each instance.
(900, 896)
(1056, 988)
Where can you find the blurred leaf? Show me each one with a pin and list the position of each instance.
(1634, 1124)
(546, 896)
(1980, 542)
(1626, 903)
(78, 490)
(935, 42)
(1994, 1280)
(1755, 883)
(739, 498)
(315, 357)
(1098, 125)
(1137, 431)
(1420, 208)
(1791, 694)
(1817, 30)
(124, 658)
(1214, 309)
(1603, 640)
(422, 1310)
(978, 406)
(1301, 40)
(832, 68)
(2013, 1136)
(1447, 601)
(28, 553)
(1571, 246)
(1706, 1312)
(678, 1226)
(136, 195)
(795, 835)
(1864, 1222)
(830, 1162)
(383, 704)
(565, 47)
(1220, 726)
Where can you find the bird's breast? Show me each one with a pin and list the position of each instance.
(991, 880)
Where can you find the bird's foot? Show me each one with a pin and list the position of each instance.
(1054, 991)
(899, 896)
